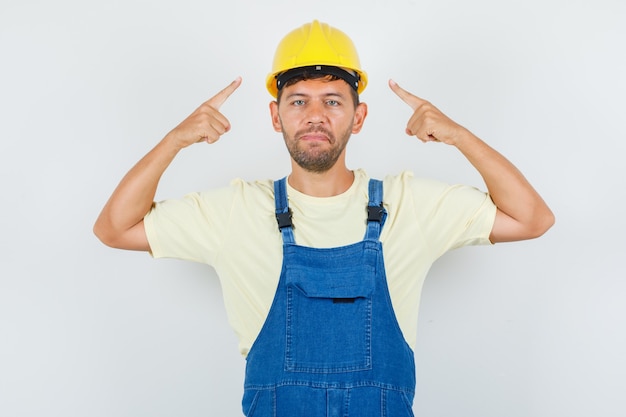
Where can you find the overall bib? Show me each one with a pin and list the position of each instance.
(331, 344)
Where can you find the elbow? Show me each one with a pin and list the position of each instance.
(106, 232)
(108, 238)
(508, 229)
(543, 222)
(103, 235)
(133, 238)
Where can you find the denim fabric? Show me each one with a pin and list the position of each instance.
(331, 344)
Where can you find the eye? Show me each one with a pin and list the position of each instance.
(333, 103)
(298, 103)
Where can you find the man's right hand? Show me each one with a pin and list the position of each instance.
(206, 123)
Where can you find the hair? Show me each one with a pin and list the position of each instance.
(316, 76)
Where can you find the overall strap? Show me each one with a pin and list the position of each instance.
(376, 214)
(283, 213)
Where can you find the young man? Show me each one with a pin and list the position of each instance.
(322, 270)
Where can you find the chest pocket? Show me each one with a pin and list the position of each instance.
(328, 323)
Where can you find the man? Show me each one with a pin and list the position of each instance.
(325, 317)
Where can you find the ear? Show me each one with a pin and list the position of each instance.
(359, 117)
(275, 118)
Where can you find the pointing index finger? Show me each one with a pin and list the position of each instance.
(220, 98)
(413, 101)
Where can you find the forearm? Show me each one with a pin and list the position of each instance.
(134, 195)
(511, 192)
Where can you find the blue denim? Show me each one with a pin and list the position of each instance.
(331, 344)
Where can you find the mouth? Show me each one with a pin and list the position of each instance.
(317, 135)
(314, 138)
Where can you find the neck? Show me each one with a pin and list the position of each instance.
(333, 182)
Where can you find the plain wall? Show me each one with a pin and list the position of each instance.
(530, 329)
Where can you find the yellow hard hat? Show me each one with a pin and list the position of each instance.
(316, 47)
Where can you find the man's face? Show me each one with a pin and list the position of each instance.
(316, 118)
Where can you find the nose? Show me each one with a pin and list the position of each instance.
(316, 113)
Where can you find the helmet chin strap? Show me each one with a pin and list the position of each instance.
(347, 76)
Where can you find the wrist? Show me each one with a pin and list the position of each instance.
(171, 143)
(464, 139)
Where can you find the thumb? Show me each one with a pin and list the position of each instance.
(412, 100)
(220, 98)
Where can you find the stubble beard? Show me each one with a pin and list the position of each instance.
(314, 157)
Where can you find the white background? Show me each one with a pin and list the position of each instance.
(531, 329)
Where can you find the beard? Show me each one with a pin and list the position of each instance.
(315, 157)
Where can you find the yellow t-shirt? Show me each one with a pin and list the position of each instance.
(234, 230)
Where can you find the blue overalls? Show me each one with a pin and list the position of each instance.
(331, 344)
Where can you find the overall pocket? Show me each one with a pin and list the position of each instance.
(258, 403)
(329, 316)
